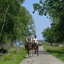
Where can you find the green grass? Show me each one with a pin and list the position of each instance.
(56, 51)
(45, 43)
(14, 57)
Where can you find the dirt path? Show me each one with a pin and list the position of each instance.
(43, 58)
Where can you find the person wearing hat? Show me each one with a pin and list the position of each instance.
(29, 38)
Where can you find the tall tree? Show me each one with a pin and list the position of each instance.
(53, 8)
(17, 20)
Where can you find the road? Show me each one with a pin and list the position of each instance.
(43, 58)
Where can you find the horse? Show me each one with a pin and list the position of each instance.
(29, 48)
(35, 48)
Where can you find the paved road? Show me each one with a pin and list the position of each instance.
(43, 58)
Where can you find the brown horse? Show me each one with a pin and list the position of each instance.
(35, 48)
(29, 48)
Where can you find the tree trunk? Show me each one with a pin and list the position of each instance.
(4, 18)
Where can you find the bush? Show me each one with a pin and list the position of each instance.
(15, 51)
(7, 57)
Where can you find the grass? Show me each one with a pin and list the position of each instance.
(57, 51)
(14, 57)
(45, 43)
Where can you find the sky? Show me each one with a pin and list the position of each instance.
(41, 22)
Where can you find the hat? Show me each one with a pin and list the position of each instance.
(28, 33)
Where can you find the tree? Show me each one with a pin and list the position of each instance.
(17, 21)
(53, 8)
(48, 35)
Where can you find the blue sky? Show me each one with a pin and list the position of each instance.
(41, 22)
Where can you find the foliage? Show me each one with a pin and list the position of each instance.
(48, 35)
(53, 8)
(14, 58)
(14, 21)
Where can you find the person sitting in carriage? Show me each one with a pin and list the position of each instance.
(36, 41)
(29, 38)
